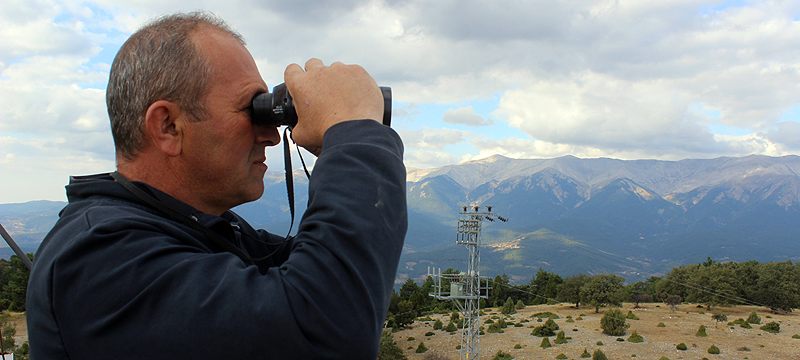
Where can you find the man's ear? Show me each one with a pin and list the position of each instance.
(163, 126)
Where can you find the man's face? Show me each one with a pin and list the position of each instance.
(225, 152)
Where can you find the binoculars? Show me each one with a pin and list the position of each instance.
(276, 108)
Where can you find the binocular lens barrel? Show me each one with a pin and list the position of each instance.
(276, 108)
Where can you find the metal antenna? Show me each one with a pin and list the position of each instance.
(15, 247)
(467, 289)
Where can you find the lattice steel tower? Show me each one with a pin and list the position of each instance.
(467, 288)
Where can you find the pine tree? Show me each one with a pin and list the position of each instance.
(613, 323)
(508, 307)
(388, 349)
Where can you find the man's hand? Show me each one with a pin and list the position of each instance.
(327, 95)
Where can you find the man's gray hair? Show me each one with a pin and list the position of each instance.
(158, 62)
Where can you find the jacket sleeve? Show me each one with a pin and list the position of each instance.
(158, 298)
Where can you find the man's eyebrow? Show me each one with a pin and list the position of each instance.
(247, 93)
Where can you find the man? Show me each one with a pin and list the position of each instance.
(149, 263)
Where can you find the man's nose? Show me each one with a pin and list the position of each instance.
(267, 135)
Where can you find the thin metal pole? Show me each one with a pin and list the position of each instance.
(15, 247)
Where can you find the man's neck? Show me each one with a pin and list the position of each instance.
(166, 176)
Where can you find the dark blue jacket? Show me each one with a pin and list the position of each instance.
(115, 279)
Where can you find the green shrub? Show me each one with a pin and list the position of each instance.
(520, 305)
(561, 357)
(620, 339)
(771, 327)
(22, 352)
(681, 347)
(796, 336)
(613, 323)
(548, 329)
(663, 358)
(542, 331)
(720, 317)
(495, 328)
(438, 325)
(599, 343)
(631, 316)
(502, 356)
(753, 318)
(701, 332)
(421, 348)
(661, 324)
(518, 346)
(561, 338)
(450, 327)
(737, 321)
(599, 355)
(714, 350)
(635, 338)
(585, 354)
(411, 338)
(545, 343)
(546, 314)
(430, 333)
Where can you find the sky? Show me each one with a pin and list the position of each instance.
(626, 79)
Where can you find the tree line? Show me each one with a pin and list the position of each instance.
(13, 283)
(775, 285)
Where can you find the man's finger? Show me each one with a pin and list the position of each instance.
(314, 63)
(291, 71)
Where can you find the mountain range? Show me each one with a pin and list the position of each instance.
(567, 215)
(635, 218)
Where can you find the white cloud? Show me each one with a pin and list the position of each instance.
(423, 159)
(428, 147)
(605, 112)
(787, 134)
(44, 96)
(30, 28)
(432, 138)
(598, 78)
(466, 116)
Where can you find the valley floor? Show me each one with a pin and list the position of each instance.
(680, 326)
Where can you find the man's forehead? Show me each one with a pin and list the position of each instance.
(228, 58)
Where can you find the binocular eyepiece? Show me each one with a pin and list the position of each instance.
(277, 109)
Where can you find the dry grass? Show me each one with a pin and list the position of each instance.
(681, 327)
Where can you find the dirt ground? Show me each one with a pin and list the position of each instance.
(20, 326)
(734, 341)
